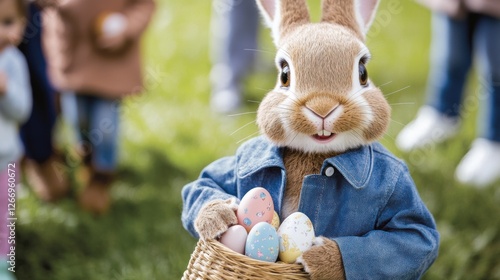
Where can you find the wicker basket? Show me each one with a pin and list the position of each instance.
(212, 260)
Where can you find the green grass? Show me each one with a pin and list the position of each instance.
(169, 134)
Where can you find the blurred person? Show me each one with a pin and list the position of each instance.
(93, 54)
(15, 106)
(462, 29)
(41, 164)
(235, 26)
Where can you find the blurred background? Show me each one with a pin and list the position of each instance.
(170, 133)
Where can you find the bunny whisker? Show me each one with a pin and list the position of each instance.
(263, 89)
(241, 114)
(401, 89)
(402, 124)
(282, 107)
(242, 127)
(296, 134)
(384, 84)
(248, 137)
(402, 103)
(392, 138)
(253, 101)
(257, 50)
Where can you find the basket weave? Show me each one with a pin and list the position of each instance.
(212, 260)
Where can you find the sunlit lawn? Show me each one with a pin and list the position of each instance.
(169, 134)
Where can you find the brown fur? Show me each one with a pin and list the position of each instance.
(293, 13)
(267, 117)
(215, 218)
(298, 164)
(382, 113)
(327, 262)
(341, 12)
(315, 61)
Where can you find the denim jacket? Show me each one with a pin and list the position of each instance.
(369, 205)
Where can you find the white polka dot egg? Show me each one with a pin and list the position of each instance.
(296, 235)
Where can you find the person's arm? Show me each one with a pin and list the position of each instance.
(3, 84)
(126, 25)
(138, 14)
(15, 99)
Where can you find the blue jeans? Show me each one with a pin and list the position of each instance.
(97, 120)
(235, 40)
(36, 133)
(454, 43)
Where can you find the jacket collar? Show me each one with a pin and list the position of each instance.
(354, 165)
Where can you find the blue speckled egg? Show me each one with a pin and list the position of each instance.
(262, 243)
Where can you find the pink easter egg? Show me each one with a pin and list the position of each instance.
(235, 238)
(255, 207)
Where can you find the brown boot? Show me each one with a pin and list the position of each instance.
(48, 179)
(95, 197)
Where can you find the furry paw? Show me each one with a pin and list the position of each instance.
(215, 218)
(323, 260)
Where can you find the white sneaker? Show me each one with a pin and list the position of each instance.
(226, 101)
(429, 127)
(481, 165)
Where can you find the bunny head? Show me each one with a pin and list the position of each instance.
(323, 101)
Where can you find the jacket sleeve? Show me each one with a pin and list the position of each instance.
(138, 13)
(16, 103)
(216, 181)
(404, 243)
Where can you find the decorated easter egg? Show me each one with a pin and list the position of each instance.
(296, 235)
(262, 243)
(276, 221)
(256, 206)
(235, 238)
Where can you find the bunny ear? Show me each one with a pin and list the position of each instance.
(283, 15)
(354, 14)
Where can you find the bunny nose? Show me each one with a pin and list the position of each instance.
(322, 106)
(322, 111)
(323, 119)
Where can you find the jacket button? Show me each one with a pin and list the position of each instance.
(329, 171)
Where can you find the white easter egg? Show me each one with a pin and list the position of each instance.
(235, 238)
(296, 235)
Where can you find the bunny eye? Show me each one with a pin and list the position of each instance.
(285, 75)
(363, 74)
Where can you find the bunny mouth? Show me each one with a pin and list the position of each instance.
(324, 136)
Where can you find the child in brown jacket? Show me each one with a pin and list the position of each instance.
(93, 51)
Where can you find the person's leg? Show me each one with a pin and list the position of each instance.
(235, 37)
(102, 133)
(44, 168)
(451, 58)
(36, 133)
(481, 165)
(487, 44)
